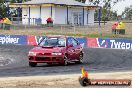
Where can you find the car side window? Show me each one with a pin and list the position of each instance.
(69, 41)
(74, 42)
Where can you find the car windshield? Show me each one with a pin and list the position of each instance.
(53, 42)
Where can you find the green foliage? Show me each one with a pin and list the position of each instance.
(128, 13)
(2, 9)
(107, 14)
(81, 1)
(18, 1)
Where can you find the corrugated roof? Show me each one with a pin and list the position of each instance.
(63, 2)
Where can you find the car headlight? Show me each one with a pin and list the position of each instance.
(56, 53)
(32, 53)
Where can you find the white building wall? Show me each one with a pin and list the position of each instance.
(60, 15)
(71, 11)
(34, 13)
(25, 15)
(85, 17)
(53, 14)
(45, 14)
(91, 17)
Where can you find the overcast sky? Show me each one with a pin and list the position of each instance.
(119, 7)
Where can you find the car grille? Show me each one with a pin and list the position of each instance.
(44, 54)
(42, 58)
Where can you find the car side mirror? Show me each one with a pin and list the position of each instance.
(71, 45)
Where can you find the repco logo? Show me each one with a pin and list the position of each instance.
(120, 45)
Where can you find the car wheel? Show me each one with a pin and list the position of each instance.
(32, 64)
(80, 58)
(65, 61)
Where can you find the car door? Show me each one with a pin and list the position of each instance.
(70, 50)
(76, 48)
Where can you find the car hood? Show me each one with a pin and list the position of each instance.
(47, 49)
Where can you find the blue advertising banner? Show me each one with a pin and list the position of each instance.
(82, 40)
(13, 39)
(114, 43)
(90, 42)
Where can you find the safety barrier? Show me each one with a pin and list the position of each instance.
(109, 43)
(27, 40)
(113, 43)
(13, 39)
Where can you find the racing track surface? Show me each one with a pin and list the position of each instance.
(14, 62)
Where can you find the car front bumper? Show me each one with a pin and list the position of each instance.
(46, 59)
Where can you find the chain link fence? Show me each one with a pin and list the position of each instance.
(105, 28)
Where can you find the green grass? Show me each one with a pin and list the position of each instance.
(51, 32)
(92, 35)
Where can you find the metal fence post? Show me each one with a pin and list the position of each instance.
(61, 28)
(25, 26)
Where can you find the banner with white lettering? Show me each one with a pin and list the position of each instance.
(13, 39)
(114, 43)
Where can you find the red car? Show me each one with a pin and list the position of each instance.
(58, 49)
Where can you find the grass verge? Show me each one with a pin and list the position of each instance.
(76, 34)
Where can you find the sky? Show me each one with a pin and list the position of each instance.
(119, 7)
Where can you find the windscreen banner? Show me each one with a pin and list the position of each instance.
(109, 43)
(13, 39)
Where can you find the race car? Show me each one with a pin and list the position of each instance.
(56, 49)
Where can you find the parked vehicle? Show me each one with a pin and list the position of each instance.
(56, 49)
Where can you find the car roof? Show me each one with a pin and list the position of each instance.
(57, 36)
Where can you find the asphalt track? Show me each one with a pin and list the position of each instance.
(14, 62)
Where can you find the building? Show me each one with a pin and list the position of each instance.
(61, 11)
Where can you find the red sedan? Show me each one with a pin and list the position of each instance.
(59, 49)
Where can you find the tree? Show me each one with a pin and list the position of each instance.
(15, 11)
(127, 13)
(2, 9)
(107, 13)
(18, 1)
(81, 1)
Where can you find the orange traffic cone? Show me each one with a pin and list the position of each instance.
(84, 73)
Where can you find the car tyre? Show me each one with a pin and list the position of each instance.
(65, 61)
(32, 64)
(50, 63)
(80, 59)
